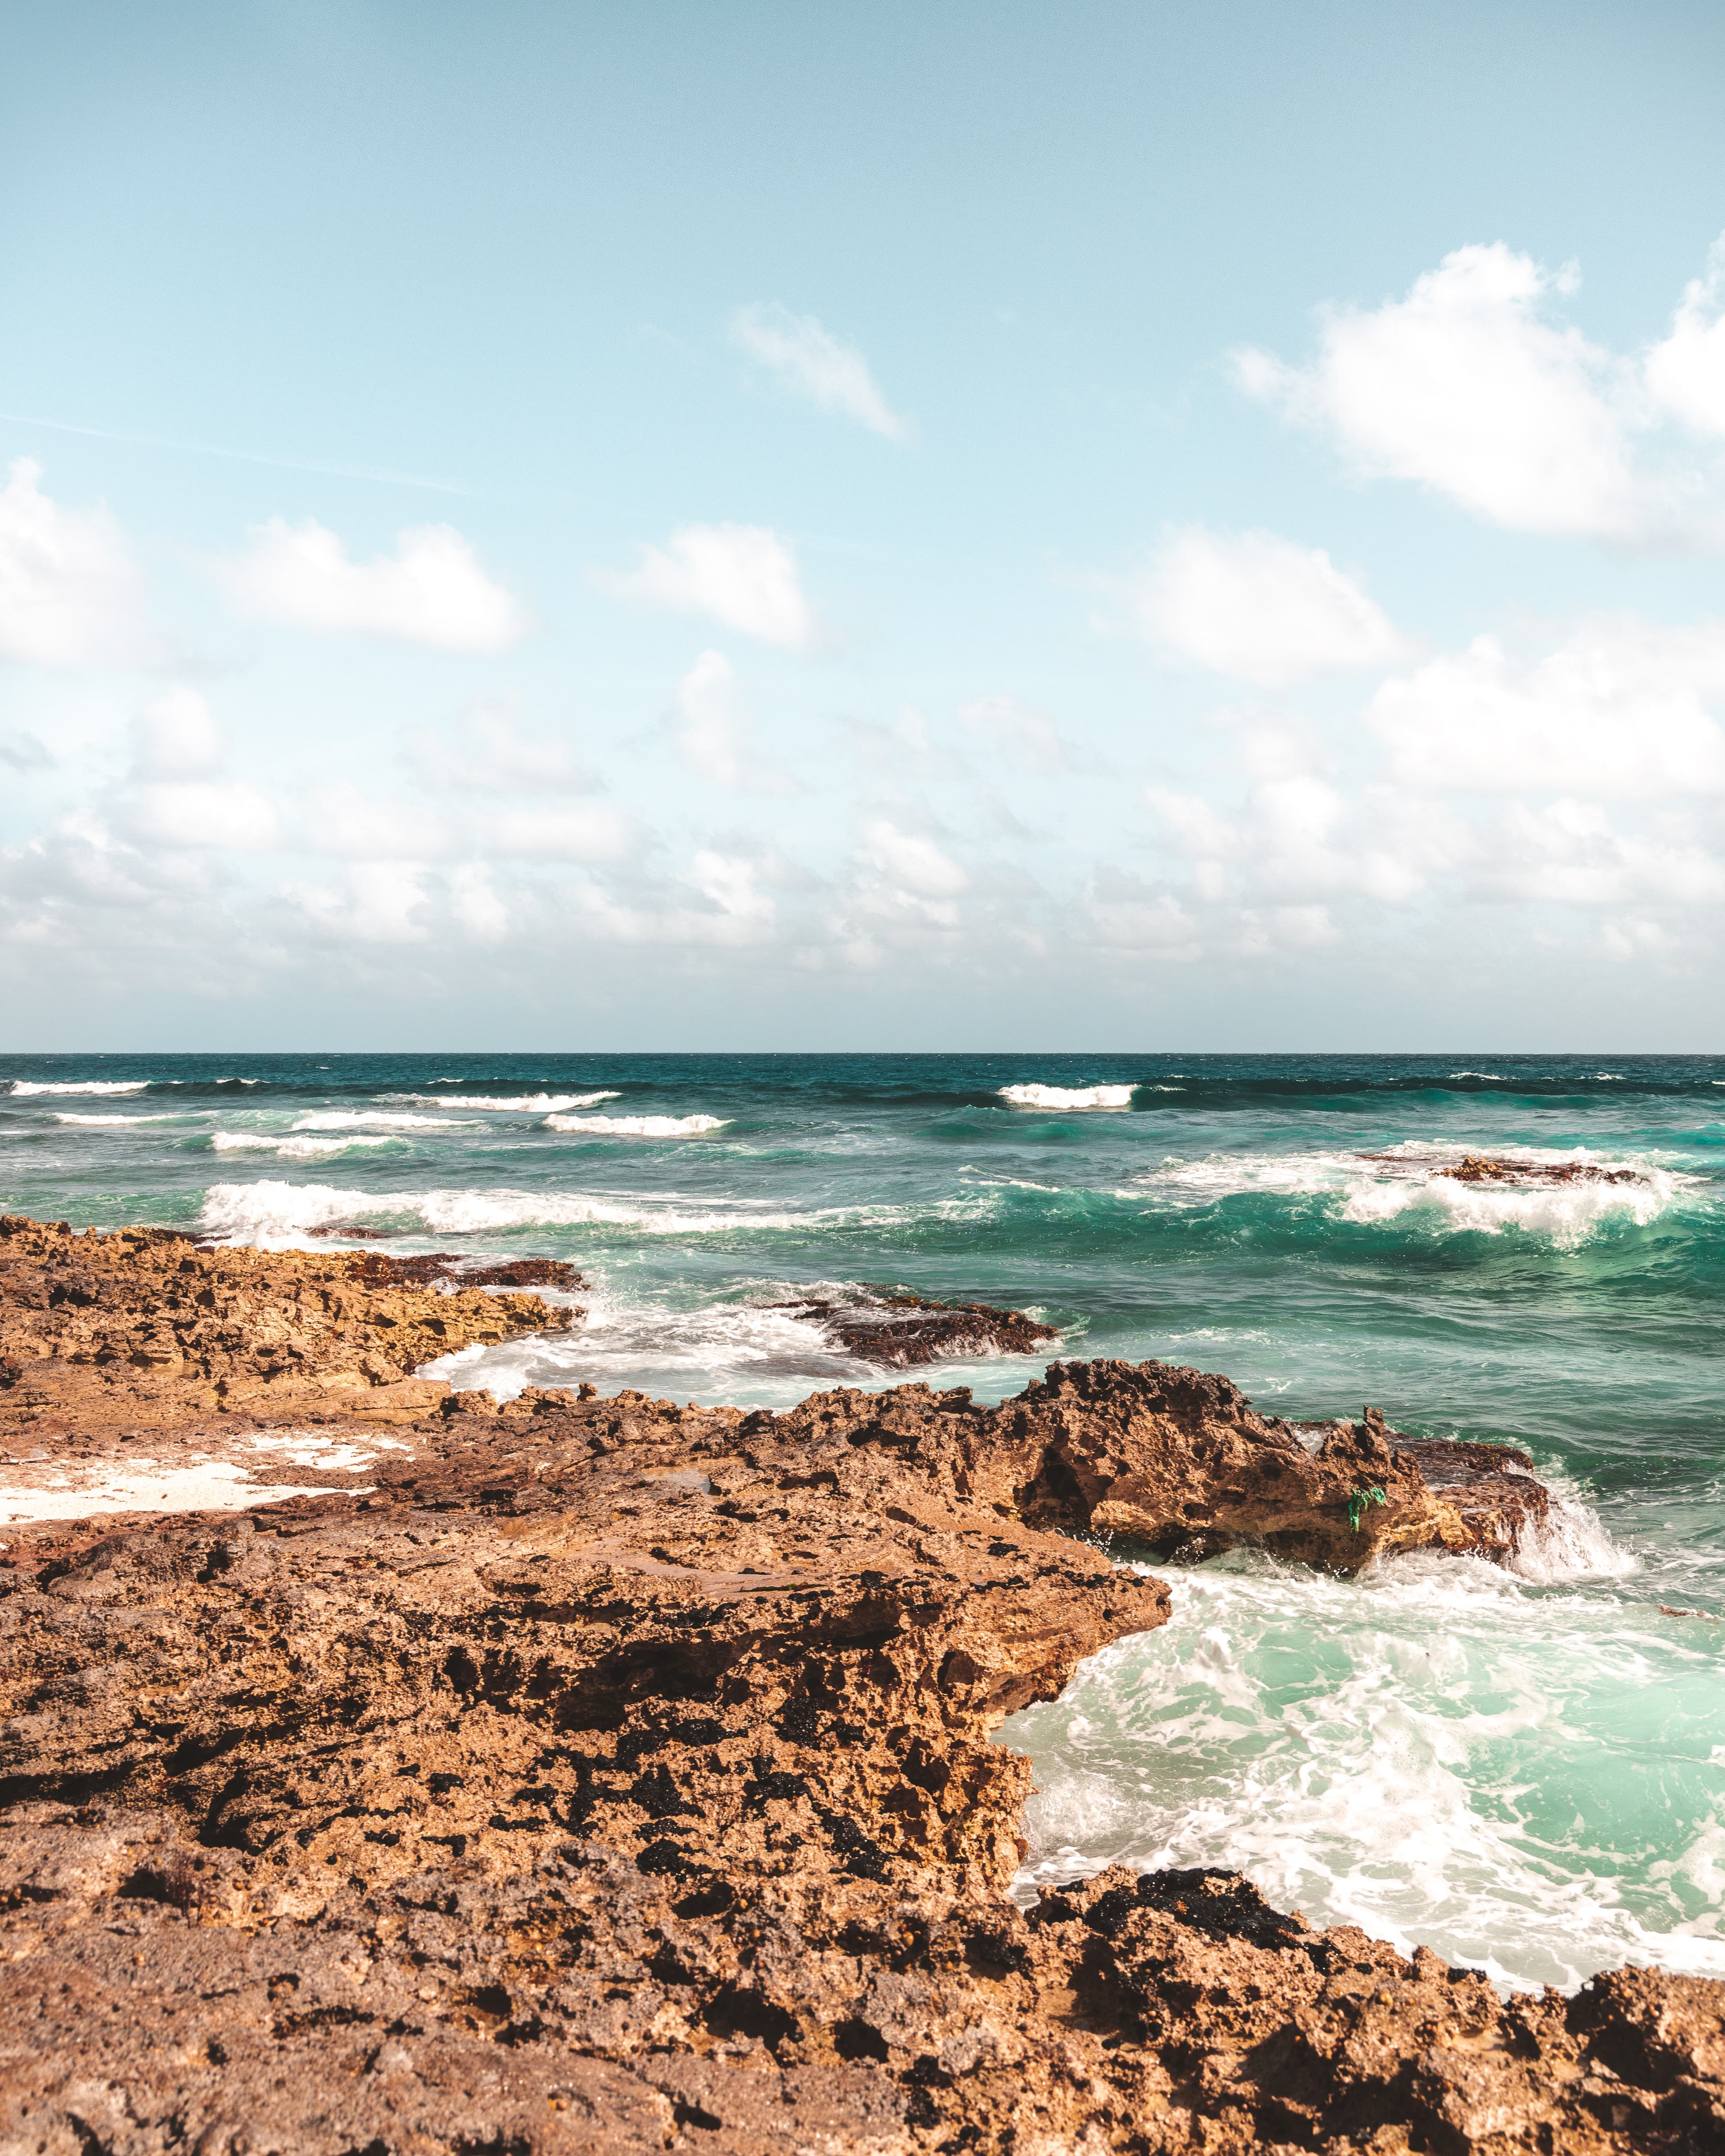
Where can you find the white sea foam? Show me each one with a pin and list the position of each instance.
(113, 1122)
(1401, 1185)
(353, 1119)
(1361, 1749)
(1497, 1077)
(293, 1148)
(272, 1213)
(21, 1087)
(1068, 1096)
(638, 1127)
(543, 1104)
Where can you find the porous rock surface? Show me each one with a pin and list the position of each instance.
(615, 1776)
(146, 1328)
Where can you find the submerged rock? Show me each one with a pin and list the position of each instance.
(615, 1776)
(1513, 1174)
(898, 1329)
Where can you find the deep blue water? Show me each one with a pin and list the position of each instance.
(1528, 1772)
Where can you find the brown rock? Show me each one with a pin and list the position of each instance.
(616, 1777)
(898, 1330)
(1520, 1174)
(143, 1327)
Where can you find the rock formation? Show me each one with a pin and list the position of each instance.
(615, 1776)
(1515, 1174)
(886, 1327)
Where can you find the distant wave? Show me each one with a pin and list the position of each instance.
(348, 1119)
(638, 1127)
(22, 1086)
(292, 1148)
(1068, 1096)
(113, 1122)
(531, 1103)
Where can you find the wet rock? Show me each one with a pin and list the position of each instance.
(615, 1776)
(143, 1325)
(1514, 1174)
(898, 1329)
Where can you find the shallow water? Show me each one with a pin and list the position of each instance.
(1527, 1773)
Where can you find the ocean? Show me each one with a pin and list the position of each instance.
(1525, 1771)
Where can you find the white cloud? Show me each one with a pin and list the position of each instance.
(1686, 373)
(434, 590)
(1029, 736)
(1570, 853)
(811, 362)
(914, 862)
(340, 819)
(476, 905)
(580, 831)
(71, 593)
(1259, 607)
(489, 751)
(177, 736)
(375, 902)
(225, 814)
(714, 732)
(1619, 709)
(743, 575)
(1471, 387)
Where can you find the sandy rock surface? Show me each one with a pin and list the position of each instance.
(598, 1775)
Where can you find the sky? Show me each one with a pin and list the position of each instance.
(784, 527)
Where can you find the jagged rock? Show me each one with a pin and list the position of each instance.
(144, 1327)
(897, 1329)
(615, 1777)
(1517, 1174)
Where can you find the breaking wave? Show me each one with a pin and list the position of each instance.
(348, 1119)
(1403, 1186)
(22, 1087)
(638, 1127)
(1069, 1096)
(543, 1104)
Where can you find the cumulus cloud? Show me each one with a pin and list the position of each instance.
(177, 736)
(71, 593)
(489, 751)
(1259, 607)
(1685, 372)
(1619, 709)
(578, 831)
(743, 575)
(714, 732)
(434, 590)
(341, 819)
(808, 360)
(1471, 385)
(224, 815)
(1028, 736)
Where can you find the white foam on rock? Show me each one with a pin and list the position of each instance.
(1360, 1749)
(1068, 1096)
(1402, 1183)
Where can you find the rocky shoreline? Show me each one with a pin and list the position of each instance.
(608, 1774)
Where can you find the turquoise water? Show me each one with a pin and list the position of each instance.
(1527, 1772)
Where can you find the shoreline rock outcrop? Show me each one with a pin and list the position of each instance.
(614, 1776)
(887, 1327)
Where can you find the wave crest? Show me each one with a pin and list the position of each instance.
(1069, 1096)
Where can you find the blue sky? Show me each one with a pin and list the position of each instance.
(782, 526)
